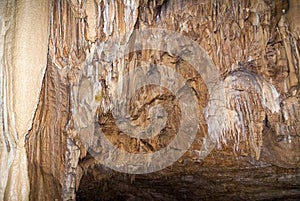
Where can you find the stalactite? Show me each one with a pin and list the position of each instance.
(82, 85)
(240, 118)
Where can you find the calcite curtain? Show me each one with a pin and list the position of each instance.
(23, 53)
(61, 84)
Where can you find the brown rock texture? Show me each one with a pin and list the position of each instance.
(167, 100)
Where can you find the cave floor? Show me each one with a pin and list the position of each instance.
(218, 177)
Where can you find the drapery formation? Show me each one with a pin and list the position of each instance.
(23, 52)
(254, 46)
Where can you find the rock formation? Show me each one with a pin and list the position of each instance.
(149, 100)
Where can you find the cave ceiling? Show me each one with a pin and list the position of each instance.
(150, 100)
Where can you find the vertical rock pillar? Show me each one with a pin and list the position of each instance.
(23, 58)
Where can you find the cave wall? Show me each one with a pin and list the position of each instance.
(253, 47)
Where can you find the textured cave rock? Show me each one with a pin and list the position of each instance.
(234, 64)
(23, 60)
